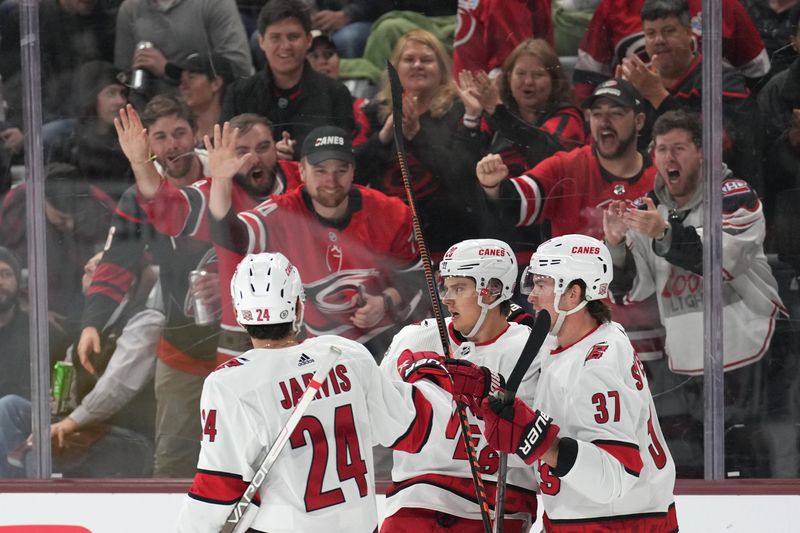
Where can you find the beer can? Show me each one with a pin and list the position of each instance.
(204, 314)
(139, 76)
(62, 383)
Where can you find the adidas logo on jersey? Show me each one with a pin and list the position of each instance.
(305, 360)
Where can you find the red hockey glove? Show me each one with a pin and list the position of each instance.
(472, 383)
(516, 428)
(414, 366)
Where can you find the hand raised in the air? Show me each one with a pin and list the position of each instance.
(132, 136)
(516, 428)
(223, 161)
(614, 227)
(488, 91)
(468, 91)
(491, 171)
(285, 147)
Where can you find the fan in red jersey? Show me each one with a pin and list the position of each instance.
(571, 189)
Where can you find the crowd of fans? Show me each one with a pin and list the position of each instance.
(522, 120)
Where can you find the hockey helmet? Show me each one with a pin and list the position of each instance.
(569, 258)
(566, 259)
(490, 262)
(265, 289)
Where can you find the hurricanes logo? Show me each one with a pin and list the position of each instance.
(333, 258)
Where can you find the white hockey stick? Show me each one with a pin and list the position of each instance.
(237, 521)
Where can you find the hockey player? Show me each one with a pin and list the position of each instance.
(324, 476)
(600, 456)
(434, 488)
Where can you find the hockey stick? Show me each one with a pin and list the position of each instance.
(466, 433)
(535, 340)
(235, 521)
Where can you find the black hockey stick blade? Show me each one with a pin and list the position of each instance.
(535, 340)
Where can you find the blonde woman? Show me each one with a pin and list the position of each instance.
(432, 118)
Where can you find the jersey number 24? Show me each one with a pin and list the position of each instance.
(349, 461)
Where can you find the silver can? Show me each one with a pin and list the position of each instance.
(205, 314)
(139, 76)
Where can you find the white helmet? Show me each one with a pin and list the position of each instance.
(483, 260)
(265, 290)
(569, 258)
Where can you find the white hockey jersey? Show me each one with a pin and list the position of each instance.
(324, 476)
(439, 477)
(623, 475)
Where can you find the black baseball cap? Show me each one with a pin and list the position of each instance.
(618, 91)
(328, 142)
(212, 65)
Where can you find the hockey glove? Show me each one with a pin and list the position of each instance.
(516, 428)
(414, 366)
(472, 383)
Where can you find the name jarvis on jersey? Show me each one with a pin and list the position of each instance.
(291, 390)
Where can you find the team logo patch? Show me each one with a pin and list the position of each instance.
(596, 352)
(619, 189)
(284, 313)
(247, 315)
(602, 290)
(333, 258)
(239, 361)
(305, 360)
(731, 187)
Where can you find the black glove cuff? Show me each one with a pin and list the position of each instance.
(567, 454)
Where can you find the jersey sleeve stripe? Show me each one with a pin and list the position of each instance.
(530, 199)
(757, 67)
(416, 436)
(197, 209)
(221, 488)
(127, 216)
(256, 234)
(627, 454)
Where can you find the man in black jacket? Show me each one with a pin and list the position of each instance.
(288, 91)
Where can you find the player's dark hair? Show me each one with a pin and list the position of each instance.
(167, 105)
(275, 11)
(661, 9)
(269, 332)
(505, 307)
(598, 309)
(680, 120)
